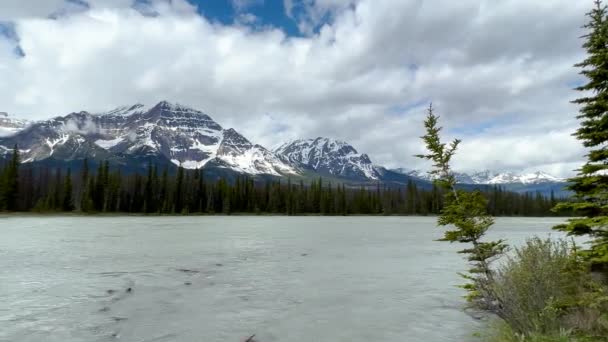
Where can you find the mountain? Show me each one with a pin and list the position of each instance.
(137, 134)
(10, 126)
(167, 134)
(491, 177)
(461, 178)
(329, 157)
(518, 182)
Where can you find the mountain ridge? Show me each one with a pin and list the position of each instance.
(183, 135)
(329, 156)
(489, 177)
(10, 125)
(176, 134)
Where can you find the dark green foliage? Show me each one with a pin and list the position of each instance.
(68, 202)
(179, 188)
(189, 192)
(86, 204)
(10, 183)
(591, 184)
(465, 213)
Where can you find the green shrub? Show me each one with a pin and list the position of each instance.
(545, 289)
(501, 332)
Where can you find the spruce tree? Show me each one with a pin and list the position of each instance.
(3, 174)
(68, 202)
(149, 201)
(85, 195)
(178, 199)
(465, 213)
(56, 198)
(164, 192)
(591, 184)
(11, 176)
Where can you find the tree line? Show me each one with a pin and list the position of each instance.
(99, 189)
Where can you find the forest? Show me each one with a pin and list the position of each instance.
(99, 189)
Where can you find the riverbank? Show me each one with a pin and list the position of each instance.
(82, 214)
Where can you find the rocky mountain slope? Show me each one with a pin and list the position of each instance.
(329, 157)
(171, 134)
(10, 125)
(180, 134)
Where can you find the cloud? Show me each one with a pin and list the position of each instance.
(497, 72)
(311, 14)
(246, 19)
(85, 127)
(242, 5)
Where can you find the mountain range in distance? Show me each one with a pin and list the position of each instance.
(491, 177)
(9, 126)
(132, 137)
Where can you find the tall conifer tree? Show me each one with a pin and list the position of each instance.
(68, 202)
(11, 187)
(591, 183)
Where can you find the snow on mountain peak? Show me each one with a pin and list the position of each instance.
(329, 156)
(10, 126)
(127, 110)
(490, 177)
(538, 177)
(183, 135)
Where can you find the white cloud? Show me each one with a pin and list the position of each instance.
(498, 72)
(309, 14)
(12, 9)
(242, 5)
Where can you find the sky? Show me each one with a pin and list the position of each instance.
(499, 73)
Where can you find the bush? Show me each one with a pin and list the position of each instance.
(545, 289)
(502, 332)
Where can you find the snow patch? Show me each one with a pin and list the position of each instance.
(334, 156)
(127, 110)
(59, 141)
(490, 177)
(108, 144)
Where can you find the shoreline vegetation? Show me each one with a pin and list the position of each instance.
(546, 290)
(6, 214)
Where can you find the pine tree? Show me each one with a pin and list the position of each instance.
(11, 186)
(178, 199)
(164, 192)
(149, 202)
(3, 171)
(99, 189)
(591, 183)
(85, 196)
(465, 212)
(56, 200)
(68, 202)
(201, 204)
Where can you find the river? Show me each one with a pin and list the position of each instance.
(215, 278)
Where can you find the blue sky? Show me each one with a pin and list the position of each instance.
(269, 12)
(262, 13)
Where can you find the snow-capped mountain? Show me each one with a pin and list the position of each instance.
(330, 157)
(10, 126)
(537, 177)
(170, 133)
(490, 177)
(183, 135)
